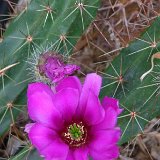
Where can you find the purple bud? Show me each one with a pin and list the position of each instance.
(52, 66)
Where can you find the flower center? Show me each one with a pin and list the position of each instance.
(75, 134)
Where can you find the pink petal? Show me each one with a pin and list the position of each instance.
(110, 120)
(81, 153)
(109, 154)
(28, 127)
(113, 103)
(104, 137)
(94, 112)
(57, 150)
(69, 82)
(34, 87)
(92, 84)
(70, 155)
(41, 107)
(41, 136)
(66, 101)
(48, 142)
(103, 144)
(112, 111)
(71, 68)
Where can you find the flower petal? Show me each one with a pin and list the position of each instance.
(70, 69)
(66, 101)
(92, 84)
(81, 153)
(69, 82)
(112, 110)
(57, 150)
(28, 127)
(70, 155)
(41, 107)
(103, 144)
(94, 112)
(48, 142)
(103, 138)
(109, 154)
(113, 103)
(41, 136)
(38, 86)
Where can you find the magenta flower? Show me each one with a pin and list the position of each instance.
(52, 66)
(72, 124)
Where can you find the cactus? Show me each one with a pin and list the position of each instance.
(23, 154)
(139, 99)
(56, 24)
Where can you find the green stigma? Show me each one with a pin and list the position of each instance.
(75, 134)
(76, 131)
